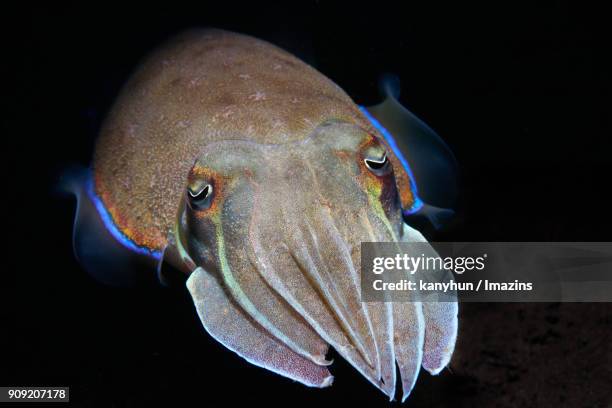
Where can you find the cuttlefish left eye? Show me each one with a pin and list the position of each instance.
(378, 164)
(200, 196)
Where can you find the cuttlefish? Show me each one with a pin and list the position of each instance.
(236, 163)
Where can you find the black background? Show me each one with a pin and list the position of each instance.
(521, 93)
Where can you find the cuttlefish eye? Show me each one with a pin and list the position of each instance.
(200, 196)
(378, 165)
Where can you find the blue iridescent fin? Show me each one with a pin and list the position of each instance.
(429, 162)
(98, 245)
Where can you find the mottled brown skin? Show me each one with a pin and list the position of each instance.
(201, 87)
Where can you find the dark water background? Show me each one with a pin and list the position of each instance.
(521, 93)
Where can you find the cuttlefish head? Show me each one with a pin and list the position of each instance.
(273, 233)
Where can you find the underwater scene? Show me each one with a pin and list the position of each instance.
(215, 204)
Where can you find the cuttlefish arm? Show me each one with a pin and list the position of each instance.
(418, 333)
(440, 320)
(231, 326)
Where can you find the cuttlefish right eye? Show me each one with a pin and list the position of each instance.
(200, 196)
